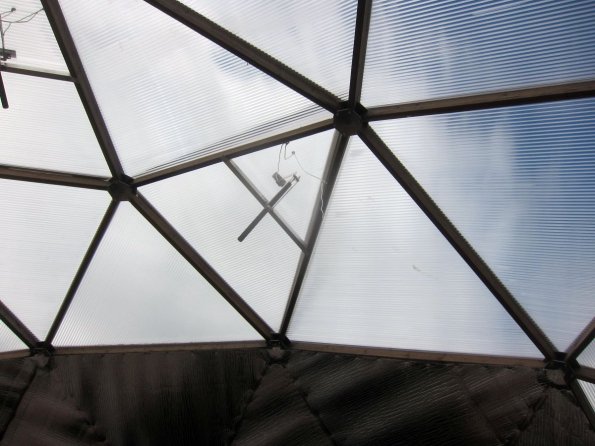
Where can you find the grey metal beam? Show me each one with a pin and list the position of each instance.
(360, 45)
(248, 52)
(201, 265)
(144, 348)
(18, 328)
(581, 342)
(244, 149)
(75, 66)
(264, 202)
(524, 96)
(78, 278)
(37, 73)
(338, 147)
(583, 401)
(49, 177)
(418, 355)
(458, 242)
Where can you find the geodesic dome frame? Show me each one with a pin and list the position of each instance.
(350, 119)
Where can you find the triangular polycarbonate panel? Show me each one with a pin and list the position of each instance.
(28, 33)
(589, 389)
(304, 158)
(140, 290)
(46, 127)
(382, 275)
(211, 208)
(312, 37)
(45, 231)
(420, 50)
(518, 183)
(168, 94)
(9, 341)
(587, 357)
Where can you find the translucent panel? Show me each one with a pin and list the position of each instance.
(34, 134)
(304, 158)
(140, 290)
(314, 38)
(587, 357)
(423, 50)
(45, 231)
(382, 275)
(211, 208)
(518, 183)
(589, 389)
(168, 94)
(28, 32)
(9, 341)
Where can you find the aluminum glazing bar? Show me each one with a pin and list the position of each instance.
(144, 348)
(458, 242)
(80, 274)
(36, 73)
(75, 66)
(585, 374)
(18, 328)
(419, 355)
(581, 342)
(3, 97)
(583, 401)
(264, 203)
(244, 149)
(49, 177)
(360, 44)
(248, 53)
(532, 95)
(331, 171)
(207, 271)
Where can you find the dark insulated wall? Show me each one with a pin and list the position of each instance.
(252, 397)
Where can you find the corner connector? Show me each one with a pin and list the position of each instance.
(42, 348)
(349, 122)
(122, 189)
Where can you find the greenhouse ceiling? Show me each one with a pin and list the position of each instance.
(371, 177)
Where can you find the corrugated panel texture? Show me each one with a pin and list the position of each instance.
(246, 398)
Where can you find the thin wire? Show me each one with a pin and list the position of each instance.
(24, 19)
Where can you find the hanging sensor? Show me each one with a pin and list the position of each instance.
(284, 190)
(279, 179)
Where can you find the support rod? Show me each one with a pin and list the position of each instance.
(360, 44)
(248, 53)
(263, 202)
(80, 274)
(75, 66)
(458, 242)
(207, 271)
(36, 73)
(338, 148)
(49, 177)
(18, 328)
(533, 95)
(581, 342)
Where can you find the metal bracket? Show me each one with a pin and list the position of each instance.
(43, 348)
(122, 190)
(349, 122)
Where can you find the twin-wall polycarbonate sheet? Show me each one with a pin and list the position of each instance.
(27, 31)
(312, 37)
(46, 127)
(140, 290)
(589, 389)
(587, 357)
(304, 158)
(9, 341)
(210, 207)
(168, 94)
(425, 50)
(45, 231)
(382, 275)
(519, 183)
